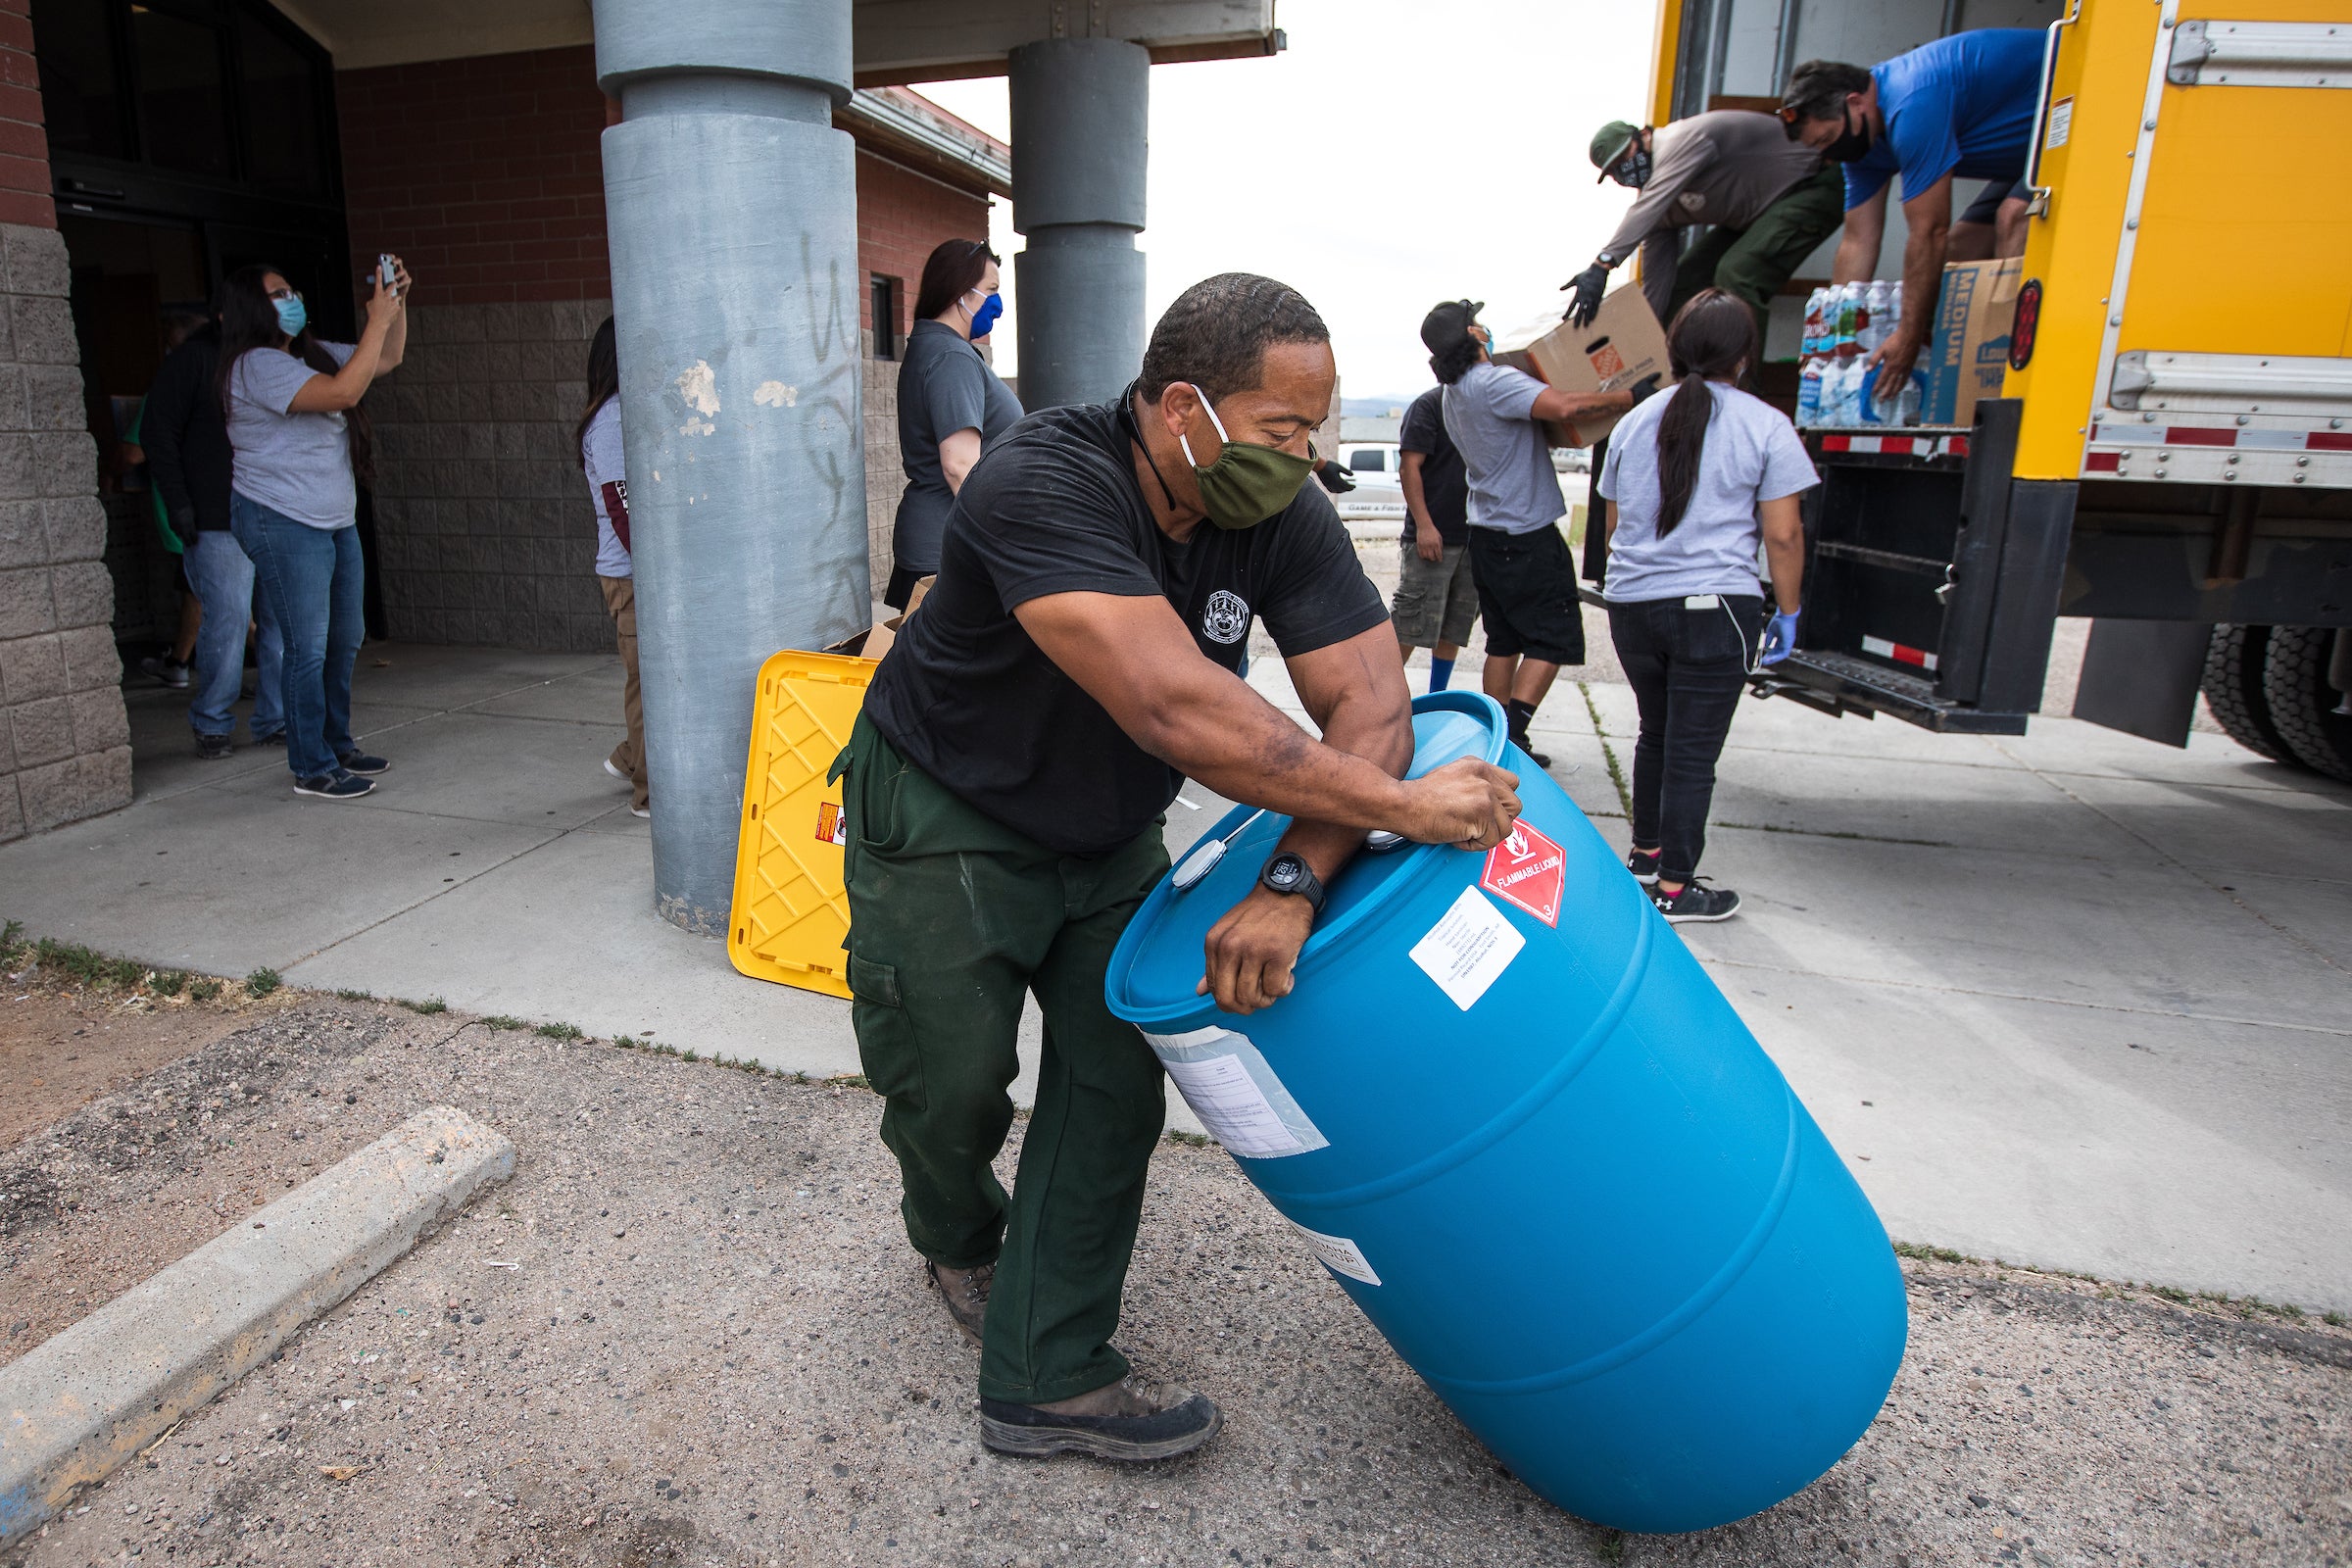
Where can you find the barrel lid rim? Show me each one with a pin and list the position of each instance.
(1326, 939)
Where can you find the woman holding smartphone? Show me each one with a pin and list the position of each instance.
(300, 448)
(1694, 483)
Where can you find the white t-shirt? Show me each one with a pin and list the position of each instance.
(608, 491)
(1753, 455)
(295, 464)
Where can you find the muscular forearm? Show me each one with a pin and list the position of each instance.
(1241, 746)
(1360, 728)
(1923, 277)
(1857, 256)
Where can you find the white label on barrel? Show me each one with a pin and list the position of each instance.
(1233, 1090)
(1469, 948)
(1338, 1254)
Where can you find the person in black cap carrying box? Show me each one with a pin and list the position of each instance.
(1526, 578)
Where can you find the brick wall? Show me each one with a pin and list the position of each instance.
(65, 744)
(24, 145)
(484, 176)
(495, 199)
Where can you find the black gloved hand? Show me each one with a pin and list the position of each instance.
(1644, 387)
(1336, 478)
(1588, 286)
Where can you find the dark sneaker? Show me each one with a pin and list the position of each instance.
(164, 667)
(276, 737)
(965, 1290)
(362, 762)
(1521, 740)
(335, 786)
(1643, 863)
(1696, 902)
(1131, 1420)
(213, 748)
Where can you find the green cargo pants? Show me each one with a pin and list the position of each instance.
(1753, 263)
(953, 916)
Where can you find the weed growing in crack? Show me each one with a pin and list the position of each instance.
(554, 1031)
(262, 982)
(504, 1020)
(429, 1007)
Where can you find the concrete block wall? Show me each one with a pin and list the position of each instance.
(484, 531)
(65, 742)
(885, 474)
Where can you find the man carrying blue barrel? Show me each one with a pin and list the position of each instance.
(1005, 787)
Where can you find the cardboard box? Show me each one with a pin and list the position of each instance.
(1623, 344)
(875, 641)
(1967, 352)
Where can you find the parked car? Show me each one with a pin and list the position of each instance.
(1378, 496)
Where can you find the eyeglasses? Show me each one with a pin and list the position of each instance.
(285, 294)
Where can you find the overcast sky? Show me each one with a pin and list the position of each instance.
(1396, 155)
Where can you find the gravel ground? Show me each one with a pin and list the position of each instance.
(690, 1331)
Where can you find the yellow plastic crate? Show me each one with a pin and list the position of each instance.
(791, 911)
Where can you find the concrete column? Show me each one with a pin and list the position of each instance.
(731, 203)
(1078, 156)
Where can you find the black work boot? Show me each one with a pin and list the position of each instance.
(1130, 1420)
(1520, 715)
(965, 1290)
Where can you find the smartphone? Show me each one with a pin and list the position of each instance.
(386, 271)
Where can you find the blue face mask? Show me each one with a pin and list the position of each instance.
(291, 317)
(984, 319)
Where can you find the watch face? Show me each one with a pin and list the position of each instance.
(1284, 873)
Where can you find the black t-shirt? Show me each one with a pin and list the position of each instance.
(1053, 508)
(943, 386)
(1444, 487)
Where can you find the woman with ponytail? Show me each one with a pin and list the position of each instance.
(299, 445)
(1694, 483)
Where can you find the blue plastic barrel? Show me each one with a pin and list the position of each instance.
(1544, 1156)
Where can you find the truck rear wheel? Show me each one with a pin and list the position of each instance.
(2234, 667)
(2303, 705)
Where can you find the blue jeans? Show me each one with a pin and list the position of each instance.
(311, 581)
(221, 575)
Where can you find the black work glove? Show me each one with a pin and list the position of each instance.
(1337, 480)
(1588, 286)
(1644, 387)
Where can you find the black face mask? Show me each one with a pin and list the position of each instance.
(1632, 170)
(1853, 142)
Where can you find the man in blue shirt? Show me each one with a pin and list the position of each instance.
(1959, 108)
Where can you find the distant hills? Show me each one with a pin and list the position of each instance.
(1374, 408)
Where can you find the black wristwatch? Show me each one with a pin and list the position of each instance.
(1287, 874)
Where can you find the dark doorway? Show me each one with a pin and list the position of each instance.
(186, 138)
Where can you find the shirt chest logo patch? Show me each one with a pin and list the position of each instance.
(1227, 617)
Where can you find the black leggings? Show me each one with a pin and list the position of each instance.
(1687, 668)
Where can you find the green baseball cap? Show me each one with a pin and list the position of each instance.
(1609, 143)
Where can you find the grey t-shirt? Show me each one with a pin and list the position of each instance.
(296, 463)
(1753, 455)
(1512, 485)
(943, 386)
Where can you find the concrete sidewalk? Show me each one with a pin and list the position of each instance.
(2072, 1000)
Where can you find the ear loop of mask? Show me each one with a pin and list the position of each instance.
(1185, 441)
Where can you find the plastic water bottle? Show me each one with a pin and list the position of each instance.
(1907, 406)
(1849, 311)
(1816, 338)
(1877, 321)
(1808, 387)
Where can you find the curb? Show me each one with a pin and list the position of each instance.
(79, 1405)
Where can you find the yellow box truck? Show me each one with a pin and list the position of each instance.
(2170, 454)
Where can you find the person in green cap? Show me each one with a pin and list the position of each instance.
(1764, 201)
